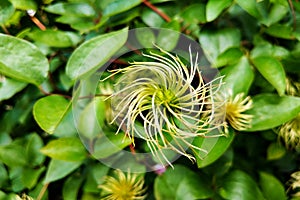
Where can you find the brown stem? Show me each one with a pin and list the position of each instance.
(44, 92)
(5, 30)
(93, 96)
(42, 192)
(293, 13)
(38, 23)
(155, 9)
(132, 150)
(118, 61)
(143, 161)
(51, 81)
(49, 93)
(133, 49)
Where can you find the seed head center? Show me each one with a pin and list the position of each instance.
(165, 96)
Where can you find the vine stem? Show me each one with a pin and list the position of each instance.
(133, 49)
(44, 92)
(293, 13)
(155, 9)
(132, 150)
(38, 23)
(70, 97)
(5, 30)
(42, 192)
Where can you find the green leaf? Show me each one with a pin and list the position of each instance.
(124, 17)
(193, 187)
(21, 115)
(239, 77)
(152, 19)
(170, 181)
(3, 176)
(282, 2)
(215, 7)
(49, 111)
(90, 184)
(267, 49)
(24, 4)
(98, 172)
(273, 71)
(9, 87)
(72, 9)
(281, 31)
(275, 151)
(145, 37)
(32, 149)
(228, 57)
(55, 38)
(92, 119)
(37, 189)
(181, 183)
(215, 147)
(30, 176)
(194, 14)
(4, 137)
(217, 42)
(222, 165)
(270, 111)
(95, 176)
(12, 196)
(12, 155)
(271, 187)
(239, 185)
(6, 11)
(119, 6)
(2, 195)
(250, 6)
(66, 149)
(89, 196)
(66, 127)
(15, 175)
(22, 60)
(124, 162)
(83, 24)
(110, 144)
(71, 187)
(168, 36)
(65, 81)
(58, 169)
(275, 14)
(92, 54)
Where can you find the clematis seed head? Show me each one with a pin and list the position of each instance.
(233, 108)
(161, 94)
(123, 187)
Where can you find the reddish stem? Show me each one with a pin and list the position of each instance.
(133, 49)
(132, 150)
(44, 92)
(93, 96)
(118, 61)
(155, 9)
(38, 23)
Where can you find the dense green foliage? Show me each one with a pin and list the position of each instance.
(254, 44)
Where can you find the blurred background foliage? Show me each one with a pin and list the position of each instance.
(255, 44)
